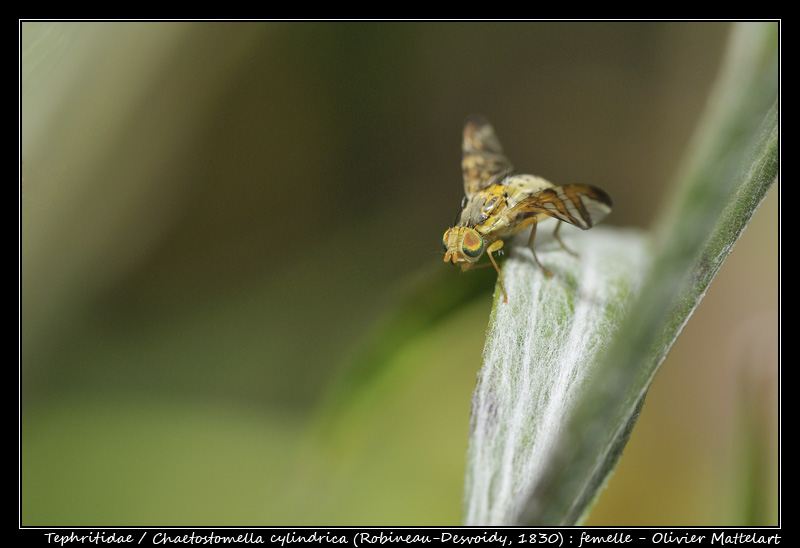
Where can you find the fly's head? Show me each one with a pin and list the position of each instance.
(462, 246)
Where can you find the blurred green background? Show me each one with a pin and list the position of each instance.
(214, 216)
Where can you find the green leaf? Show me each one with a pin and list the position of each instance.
(568, 361)
(539, 356)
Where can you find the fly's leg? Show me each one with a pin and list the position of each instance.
(530, 244)
(496, 246)
(558, 238)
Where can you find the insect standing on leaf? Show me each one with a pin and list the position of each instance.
(499, 203)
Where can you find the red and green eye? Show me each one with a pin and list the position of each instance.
(472, 245)
(444, 238)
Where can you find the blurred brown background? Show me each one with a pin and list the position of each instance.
(213, 215)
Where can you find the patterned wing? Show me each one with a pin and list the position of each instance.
(581, 205)
(482, 159)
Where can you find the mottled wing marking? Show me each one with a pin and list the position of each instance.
(581, 205)
(482, 159)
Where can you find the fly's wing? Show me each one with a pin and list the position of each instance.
(581, 205)
(482, 159)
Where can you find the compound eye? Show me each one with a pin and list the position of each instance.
(472, 246)
(444, 239)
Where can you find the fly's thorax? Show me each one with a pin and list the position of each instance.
(483, 205)
(486, 207)
(463, 245)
